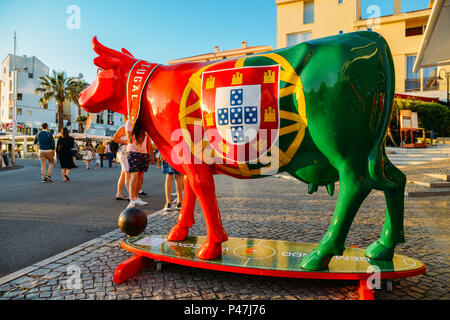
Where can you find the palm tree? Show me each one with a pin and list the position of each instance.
(76, 86)
(60, 88)
(81, 119)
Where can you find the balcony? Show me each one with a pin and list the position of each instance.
(412, 85)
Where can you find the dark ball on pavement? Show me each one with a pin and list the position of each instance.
(132, 221)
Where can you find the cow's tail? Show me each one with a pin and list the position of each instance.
(377, 157)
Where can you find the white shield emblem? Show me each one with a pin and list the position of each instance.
(240, 111)
(237, 113)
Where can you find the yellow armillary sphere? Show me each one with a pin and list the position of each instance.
(275, 158)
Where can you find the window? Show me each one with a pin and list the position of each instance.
(110, 116)
(412, 81)
(19, 96)
(19, 111)
(100, 118)
(30, 75)
(293, 39)
(429, 79)
(340, 1)
(341, 31)
(415, 31)
(308, 12)
(296, 38)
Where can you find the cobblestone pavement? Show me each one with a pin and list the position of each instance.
(271, 208)
(418, 173)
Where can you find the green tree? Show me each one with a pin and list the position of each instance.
(75, 87)
(81, 119)
(61, 89)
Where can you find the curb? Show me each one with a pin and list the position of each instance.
(417, 194)
(40, 264)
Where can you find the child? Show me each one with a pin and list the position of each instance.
(97, 160)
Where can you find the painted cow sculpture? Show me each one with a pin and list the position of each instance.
(318, 110)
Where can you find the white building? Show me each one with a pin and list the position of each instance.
(29, 114)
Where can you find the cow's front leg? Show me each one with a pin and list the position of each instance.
(186, 217)
(202, 183)
(352, 192)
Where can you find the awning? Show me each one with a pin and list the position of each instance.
(435, 46)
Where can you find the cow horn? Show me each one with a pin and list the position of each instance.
(102, 50)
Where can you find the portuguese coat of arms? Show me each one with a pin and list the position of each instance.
(240, 111)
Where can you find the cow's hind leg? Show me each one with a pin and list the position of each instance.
(392, 233)
(186, 217)
(352, 192)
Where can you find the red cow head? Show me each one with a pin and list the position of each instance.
(108, 91)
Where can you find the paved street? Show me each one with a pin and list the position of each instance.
(39, 220)
(273, 208)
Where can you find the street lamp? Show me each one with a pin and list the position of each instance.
(447, 76)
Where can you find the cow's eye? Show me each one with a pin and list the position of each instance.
(99, 70)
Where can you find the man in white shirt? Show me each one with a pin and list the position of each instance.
(140, 153)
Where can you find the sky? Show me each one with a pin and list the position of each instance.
(59, 32)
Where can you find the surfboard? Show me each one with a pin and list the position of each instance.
(264, 257)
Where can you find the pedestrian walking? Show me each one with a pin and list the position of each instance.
(89, 153)
(64, 152)
(46, 143)
(109, 155)
(96, 160)
(101, 152)
(120, 138)
(75, 153)
(140, 153)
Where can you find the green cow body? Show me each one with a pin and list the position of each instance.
(348, 83)
(349, 89)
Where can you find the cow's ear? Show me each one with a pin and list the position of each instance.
(106, 62)
(126, 52)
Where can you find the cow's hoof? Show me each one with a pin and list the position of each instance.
(178, 233)
(378, 251)
(210, 251)
(315, 262)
